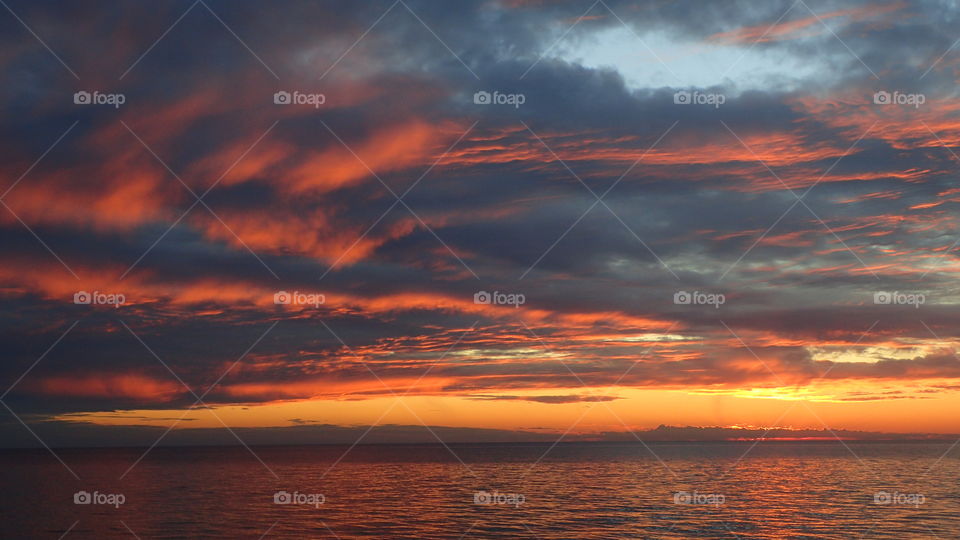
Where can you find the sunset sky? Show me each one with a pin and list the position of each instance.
(810, 189)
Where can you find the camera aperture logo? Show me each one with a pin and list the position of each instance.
(497, 298)
(897, 298)
(299, 98)
(297, 298)
(312, 499)
(482, 97)
(686, 97)
(882, 97)
(98, 98)
(110, 499)
(697, 498)
(97, 298)
(697, 298)
(887, 498)
(501, 499)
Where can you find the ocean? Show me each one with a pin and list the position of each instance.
(578, 490)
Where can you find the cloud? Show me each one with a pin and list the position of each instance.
(572, 398)
(796, 202)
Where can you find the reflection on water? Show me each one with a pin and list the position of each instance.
(700, 490)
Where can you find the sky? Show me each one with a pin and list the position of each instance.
(500, 219)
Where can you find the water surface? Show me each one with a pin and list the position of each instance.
(666, 490)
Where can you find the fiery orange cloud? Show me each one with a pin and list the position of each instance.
(316, 234)
(932, 125)
(109, 385)
(144, 287)
(801, 28)
(129, 187)
(319, 233)
(334, 389)
(388, 149)
(121, 193)
(774, 148)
